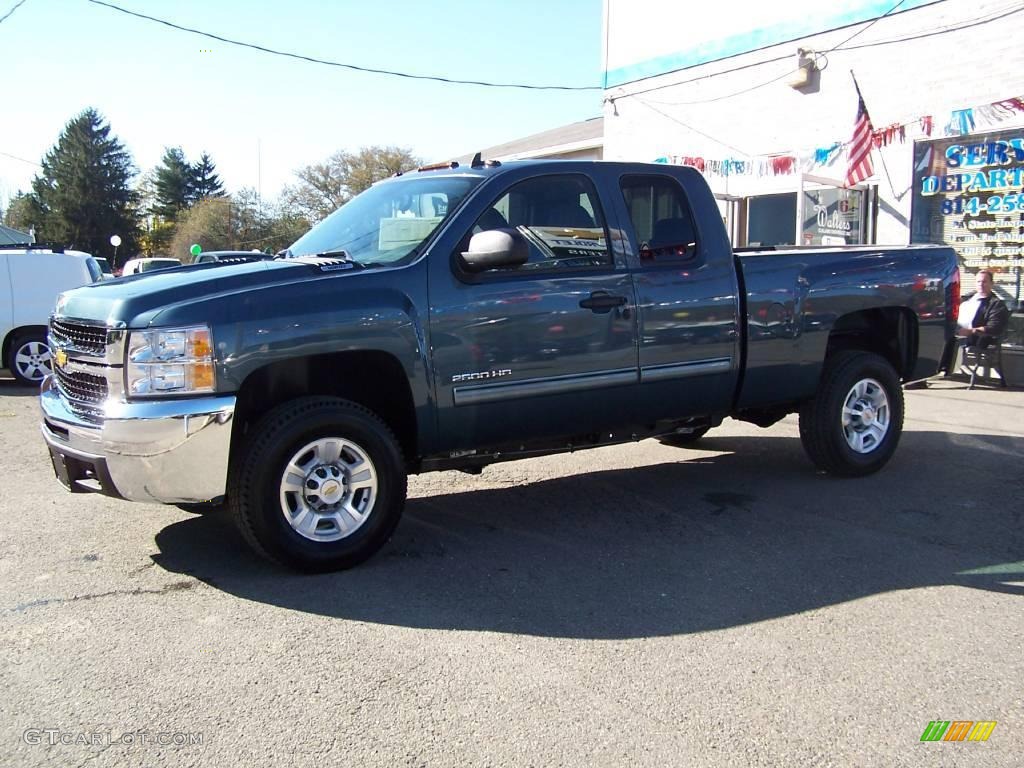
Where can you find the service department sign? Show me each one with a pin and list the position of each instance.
(969, 194)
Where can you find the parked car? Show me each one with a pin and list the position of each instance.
(208, 256)
(457, 317)
(31, 279)
(136, 266)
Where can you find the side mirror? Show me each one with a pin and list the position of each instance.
(495, 248)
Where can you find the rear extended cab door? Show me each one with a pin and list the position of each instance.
(688, 300)
(544, 349)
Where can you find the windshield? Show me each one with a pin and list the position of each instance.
(389, 221)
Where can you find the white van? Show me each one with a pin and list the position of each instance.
(137, 266)
(31, 279)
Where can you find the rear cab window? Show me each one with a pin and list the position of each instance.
(662, 221)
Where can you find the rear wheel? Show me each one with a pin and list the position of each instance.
(321, 486)
(854, 423)
(29, 358)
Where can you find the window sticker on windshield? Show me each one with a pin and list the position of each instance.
(403, 232)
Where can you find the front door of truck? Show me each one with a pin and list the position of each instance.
(687, 302)
(543, 349)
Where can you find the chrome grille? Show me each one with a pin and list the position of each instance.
(90, 339)
(83, 388)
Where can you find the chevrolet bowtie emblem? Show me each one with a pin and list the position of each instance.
(61, 358)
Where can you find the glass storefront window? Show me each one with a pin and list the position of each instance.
(832, 216)
(771, 219)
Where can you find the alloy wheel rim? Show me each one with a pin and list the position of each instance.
(866, 416)
(328, 489)
(32, 360)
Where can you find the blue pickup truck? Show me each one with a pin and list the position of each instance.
(453, 317)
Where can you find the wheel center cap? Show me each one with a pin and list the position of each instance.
(332, 491)
(867, 415)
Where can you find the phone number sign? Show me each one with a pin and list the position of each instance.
(969, 194)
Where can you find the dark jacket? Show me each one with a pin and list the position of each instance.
(994, 316)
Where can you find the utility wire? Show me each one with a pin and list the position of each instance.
(788, 73)
(976, 22)
(21, 159)
(941, 31)
(354, 67)
(16, 7)
(690, 127)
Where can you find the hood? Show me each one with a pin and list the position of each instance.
(136, 300)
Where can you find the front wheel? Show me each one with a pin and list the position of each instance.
(321, 485)
(854, 423)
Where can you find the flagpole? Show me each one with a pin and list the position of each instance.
(881, 157)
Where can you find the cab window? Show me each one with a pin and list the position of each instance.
(560, 219)
(661, 218)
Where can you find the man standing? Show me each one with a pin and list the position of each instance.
(983, 316)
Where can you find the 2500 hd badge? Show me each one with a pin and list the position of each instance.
(480, 375)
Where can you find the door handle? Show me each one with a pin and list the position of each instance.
(602, 302)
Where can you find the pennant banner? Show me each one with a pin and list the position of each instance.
(961, 121)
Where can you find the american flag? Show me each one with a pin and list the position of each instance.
(860, 167)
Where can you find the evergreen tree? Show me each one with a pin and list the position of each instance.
(173, 184)
(205, 181)
(83, 194)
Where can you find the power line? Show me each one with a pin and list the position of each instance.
(354, 67)
(941, 31)
(791, 72)
(22, 159)
(691, 128)
(975, 22)
(16, 7)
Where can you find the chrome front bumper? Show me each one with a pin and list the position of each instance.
(169, 451)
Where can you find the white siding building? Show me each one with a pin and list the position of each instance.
(760, 97)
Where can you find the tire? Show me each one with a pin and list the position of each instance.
(683, 440)
(29, 358)
(310, 518)
(854, 423)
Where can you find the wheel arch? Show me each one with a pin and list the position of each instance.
(380, 384)
(890, 332)
(15, 333)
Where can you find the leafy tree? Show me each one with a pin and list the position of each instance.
(172, 185)
(23, 212)
(209, 223)
(205, 182)
(371, 164)
(83, 194)
(239, 222)
(325, 187)
(285, 227)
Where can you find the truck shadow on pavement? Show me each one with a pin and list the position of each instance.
(695, 543)
(13, 388)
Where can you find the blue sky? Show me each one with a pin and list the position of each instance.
(262, 116)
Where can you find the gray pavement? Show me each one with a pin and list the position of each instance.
(630, 606)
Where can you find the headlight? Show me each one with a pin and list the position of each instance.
(169, 361)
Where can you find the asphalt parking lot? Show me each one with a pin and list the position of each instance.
(637, 605)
